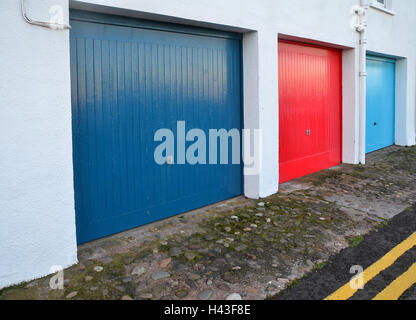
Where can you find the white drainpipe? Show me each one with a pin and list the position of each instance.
(362, 29)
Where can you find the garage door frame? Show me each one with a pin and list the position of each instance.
(106, 19)
(377, 58)
(289, 177)
(110, 19)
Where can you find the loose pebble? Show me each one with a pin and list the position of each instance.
(98, 269)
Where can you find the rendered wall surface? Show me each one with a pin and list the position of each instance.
(37, 218)
(320, 21)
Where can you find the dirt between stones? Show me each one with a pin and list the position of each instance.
(244, 248)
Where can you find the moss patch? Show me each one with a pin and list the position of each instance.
(356, 241)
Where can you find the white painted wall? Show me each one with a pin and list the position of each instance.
(261, 107)
(37, 220)
(392, 35)
(317, 21)
(37, 226)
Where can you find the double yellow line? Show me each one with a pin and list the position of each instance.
(397, 287)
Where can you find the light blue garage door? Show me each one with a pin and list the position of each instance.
(380, 103)
(131, 78)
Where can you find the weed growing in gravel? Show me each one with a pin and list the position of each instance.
(319, 266)
(356, 241)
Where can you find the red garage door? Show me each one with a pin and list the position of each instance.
(310, 104)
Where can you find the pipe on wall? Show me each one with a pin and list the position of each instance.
(49, 25)
(362, 29)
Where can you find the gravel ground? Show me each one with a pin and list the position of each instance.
(249, 249)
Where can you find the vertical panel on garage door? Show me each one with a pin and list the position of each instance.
(128, 82)
(380, 129)
(310, 104)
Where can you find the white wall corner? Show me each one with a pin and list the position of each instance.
(261, 108)
(411, 98)
(269, 112)
(251, 103)
(350, 106)
(37, 216)
(401, 102)
(405, 103)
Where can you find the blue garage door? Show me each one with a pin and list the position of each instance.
(131, 78)
(380, 103)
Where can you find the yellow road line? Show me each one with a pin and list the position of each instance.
(346, 292)
(396, 289)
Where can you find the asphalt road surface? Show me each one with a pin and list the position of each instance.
(381, 267)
